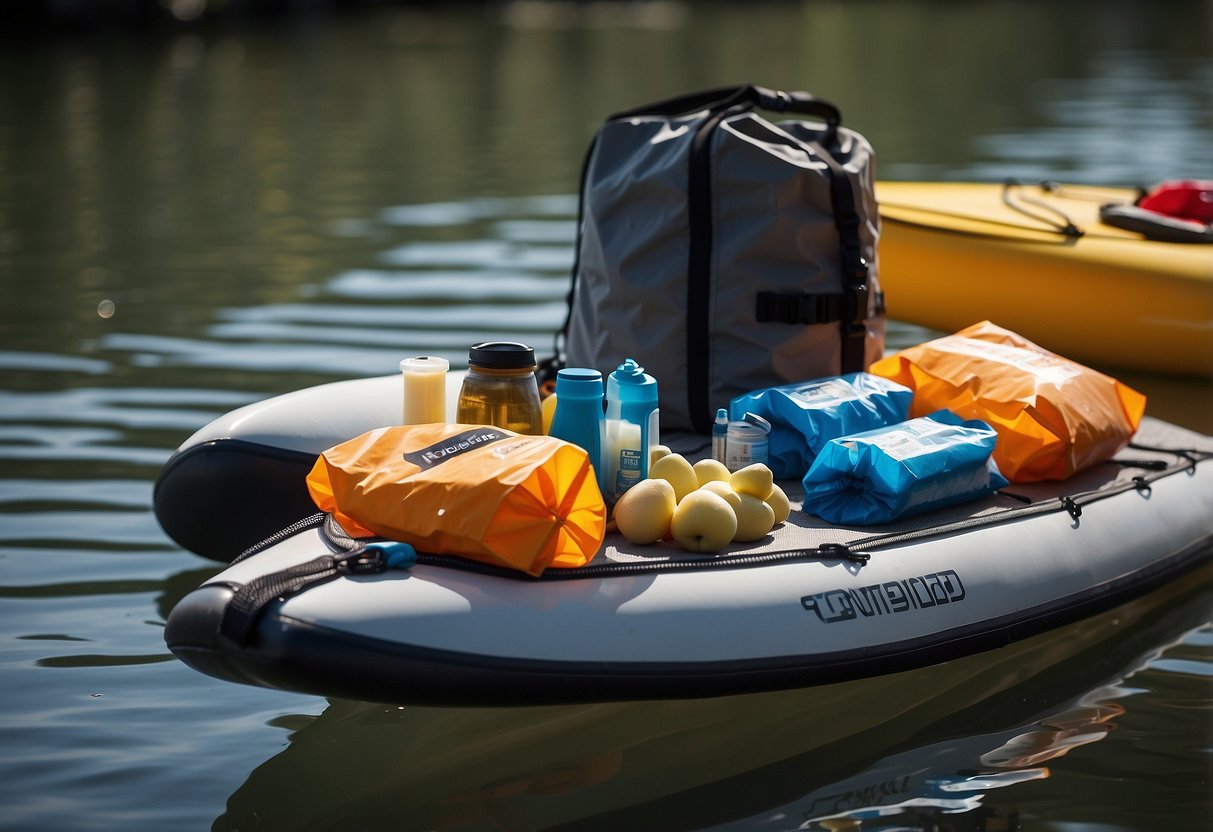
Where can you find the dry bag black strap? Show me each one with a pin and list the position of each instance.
(699, 263)
(849, 308)
(247, 603)
(852, 325)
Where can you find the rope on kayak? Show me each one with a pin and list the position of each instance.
(1066, 226)
(1078, 192)
(1190, 455)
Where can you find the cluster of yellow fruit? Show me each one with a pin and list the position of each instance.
(703, 507)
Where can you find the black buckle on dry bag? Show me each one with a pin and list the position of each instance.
(790, 308)
(795, 308)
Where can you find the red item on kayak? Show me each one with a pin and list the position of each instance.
(1188, 199)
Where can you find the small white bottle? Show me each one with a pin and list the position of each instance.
(720, 433)
(424, 389)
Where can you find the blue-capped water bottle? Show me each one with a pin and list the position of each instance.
(632, 427)
(579, 417)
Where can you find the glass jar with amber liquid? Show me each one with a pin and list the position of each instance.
(500, 388)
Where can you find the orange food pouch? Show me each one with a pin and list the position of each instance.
(524, 502)
(1053, 416)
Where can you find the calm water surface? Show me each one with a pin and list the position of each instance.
(196, 217)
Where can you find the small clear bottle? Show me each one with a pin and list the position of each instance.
(747, 442)
(500, 388)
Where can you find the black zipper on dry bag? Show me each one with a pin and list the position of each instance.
(247, 603)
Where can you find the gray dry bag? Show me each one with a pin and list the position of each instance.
(724, 252)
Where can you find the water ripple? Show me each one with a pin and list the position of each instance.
(545, 315)
(134, 493)
(427, 340)
(437, 214)
(487, 254)
(77, 446)
(111, 529)
(49, 362)
(101, 660)
(304, 357)
(1186, 667)
(380, 284)
(103, 407)
(537, 231)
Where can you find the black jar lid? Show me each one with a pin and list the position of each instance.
(502, 355)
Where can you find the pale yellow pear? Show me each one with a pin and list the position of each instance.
(546, 411)
(710, 470)
(657, 452)
(644, 512)
(703, 522)
(675, 469)
(755, 479)
(755, 519)
(779, 503)
(724, 490)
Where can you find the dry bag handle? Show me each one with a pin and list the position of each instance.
(747, 97)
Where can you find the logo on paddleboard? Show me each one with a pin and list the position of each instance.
(888, 598)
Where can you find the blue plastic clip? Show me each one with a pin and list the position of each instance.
(395, 555)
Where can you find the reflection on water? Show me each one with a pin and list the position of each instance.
(196, 217)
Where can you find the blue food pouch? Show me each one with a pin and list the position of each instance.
(901, 470)
(806, 415)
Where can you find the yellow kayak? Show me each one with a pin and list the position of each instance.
(1038, 260)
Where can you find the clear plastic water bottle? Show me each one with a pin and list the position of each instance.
(579, 417)
(632, 427)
